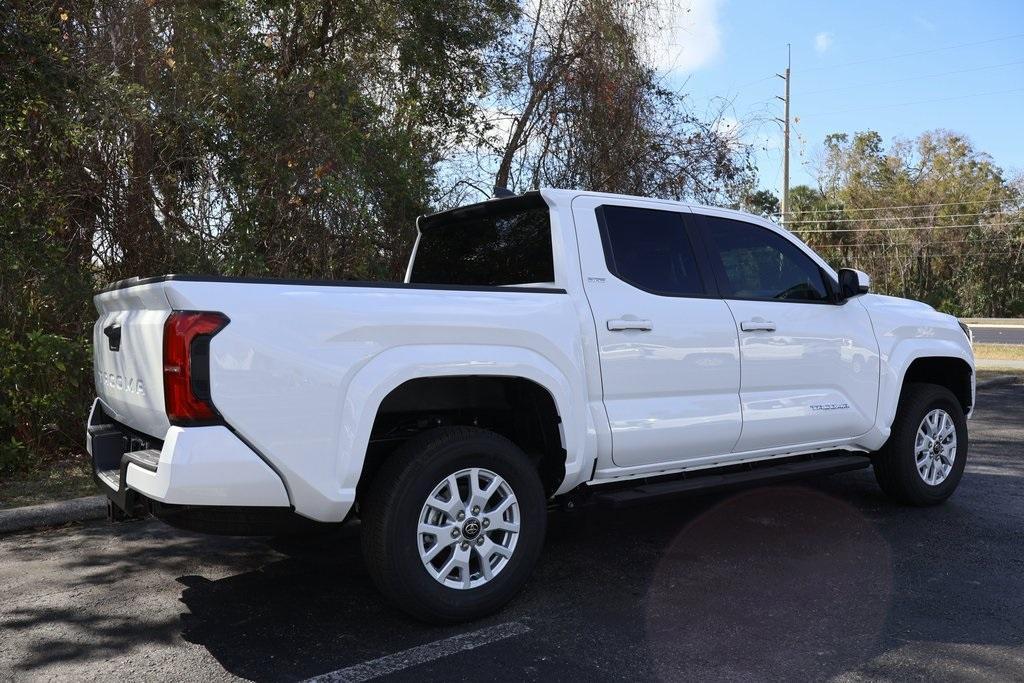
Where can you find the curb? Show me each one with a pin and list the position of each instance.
(51, 514)
(1002, 380)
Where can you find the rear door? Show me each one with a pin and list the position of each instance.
(668, 348)
(809, 365)
(128, 356)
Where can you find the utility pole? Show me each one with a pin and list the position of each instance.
(785, 144)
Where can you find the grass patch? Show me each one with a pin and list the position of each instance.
(993, 321)
(62, 479)
(999, 351)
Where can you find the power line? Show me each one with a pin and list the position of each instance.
(898, 254)
(915, 78)
(892, 208)
(897, 56)
(911, 54)
(907, 104)
(903, 206)
(911, 244)
(798, 231)
(916, 256)
(759, 80)
(900, 218)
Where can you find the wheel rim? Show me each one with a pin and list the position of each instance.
(935, 447)
(468, 528)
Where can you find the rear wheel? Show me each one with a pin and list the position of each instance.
(453, 524)
(924, 458)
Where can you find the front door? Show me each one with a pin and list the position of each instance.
(809, 364)
(668, 348)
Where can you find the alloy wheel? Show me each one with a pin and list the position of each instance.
(468, 528)
(935, 447)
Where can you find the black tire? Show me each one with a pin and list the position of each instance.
(391, 510)
(895, 464)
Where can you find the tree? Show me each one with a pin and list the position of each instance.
(931, 218)
(293, 138)
(762, 202)
(581, 107)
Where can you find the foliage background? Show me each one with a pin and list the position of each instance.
(247, 138)
(931, 219)
(295, 138)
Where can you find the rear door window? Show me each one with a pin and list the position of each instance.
(650, 250)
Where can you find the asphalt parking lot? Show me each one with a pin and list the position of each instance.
(821, 580)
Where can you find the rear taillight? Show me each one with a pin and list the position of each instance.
(187, 366)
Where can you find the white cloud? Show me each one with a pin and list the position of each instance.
(822, 42)
(925, 24)
(688, 36)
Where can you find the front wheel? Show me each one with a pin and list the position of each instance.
(453, 524)
(924, 458)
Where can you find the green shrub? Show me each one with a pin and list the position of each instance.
(44, 395)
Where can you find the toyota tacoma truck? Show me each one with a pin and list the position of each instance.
(556, 348)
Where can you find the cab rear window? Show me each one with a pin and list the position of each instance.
(498, 243)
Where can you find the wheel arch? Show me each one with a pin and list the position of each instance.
(520, 409)
(939, 362)
(375, 385)
(950, 372)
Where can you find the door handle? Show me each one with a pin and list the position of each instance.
(622, 324)
(757, 326)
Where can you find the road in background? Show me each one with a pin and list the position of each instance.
(1010, 332)
(821, 580)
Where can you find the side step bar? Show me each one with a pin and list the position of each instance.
(708, 481)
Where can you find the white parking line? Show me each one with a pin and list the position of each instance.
(414, 656)
(996, 327)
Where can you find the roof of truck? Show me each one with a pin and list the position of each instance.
(535, 198)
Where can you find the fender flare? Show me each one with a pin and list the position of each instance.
(898, 361)
(397, 365)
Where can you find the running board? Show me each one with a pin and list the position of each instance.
(708, 481)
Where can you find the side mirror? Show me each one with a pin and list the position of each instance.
(853, 282)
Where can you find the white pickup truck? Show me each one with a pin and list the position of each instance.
(556, 347)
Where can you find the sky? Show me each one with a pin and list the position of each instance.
(899, 68)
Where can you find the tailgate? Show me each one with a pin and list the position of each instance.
(128, 355)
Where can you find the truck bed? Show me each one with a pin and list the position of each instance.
(298, 360)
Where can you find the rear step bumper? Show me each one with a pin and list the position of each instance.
(705, 481)
(112, 481)
(113, 447)
(196, 466)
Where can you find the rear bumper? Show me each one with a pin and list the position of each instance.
(194, 466)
